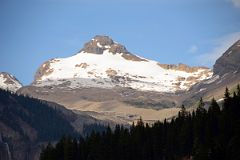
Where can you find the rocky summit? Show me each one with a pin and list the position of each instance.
(100, 43)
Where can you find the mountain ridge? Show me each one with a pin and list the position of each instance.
(107, 64)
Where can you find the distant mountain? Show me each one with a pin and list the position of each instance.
(226, 73)
(9, 82)
(103, 63)
(27, 123)
(110, 83)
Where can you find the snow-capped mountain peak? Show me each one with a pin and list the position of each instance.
(9, 82)
(104, 63)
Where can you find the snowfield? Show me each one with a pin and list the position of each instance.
(109, 70)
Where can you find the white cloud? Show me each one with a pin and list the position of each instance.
(221, 45)
(236, 3)
(193, 49)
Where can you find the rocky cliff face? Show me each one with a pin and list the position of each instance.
(229, 62)
(9, 82)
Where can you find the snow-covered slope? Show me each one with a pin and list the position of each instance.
(9, 82)
(104, 63)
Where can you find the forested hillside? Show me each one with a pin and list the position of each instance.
(212, 134)
(26, 122)
(47, 121)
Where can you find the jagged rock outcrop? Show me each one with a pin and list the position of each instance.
(181, 67)
(100, 43)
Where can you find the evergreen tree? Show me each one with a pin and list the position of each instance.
(183, 112)
(227, 99)
(238, 90)
(48, 153)
(214, 107)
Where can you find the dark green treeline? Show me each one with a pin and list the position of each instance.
(212, 134)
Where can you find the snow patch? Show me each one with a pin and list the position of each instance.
(220, 100)
(211, 80)
(202, 89)
(229, 52)
(99, 45)
(140, 75)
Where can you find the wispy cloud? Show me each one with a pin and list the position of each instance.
(236, 3)
(193, 49)
(221, 45)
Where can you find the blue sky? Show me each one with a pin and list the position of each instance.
(195, 32)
